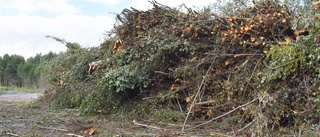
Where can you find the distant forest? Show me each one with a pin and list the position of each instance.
(16, 71)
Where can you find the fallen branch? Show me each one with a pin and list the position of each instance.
(238, 131)
(172, 125)
(74, 135)
(223, 114)
(160, 72)
(147, 126)
(145, 98)
(140, 135)
(235, 55)
(12, 134)
(179, 106)
(206, 102)
(50, 128)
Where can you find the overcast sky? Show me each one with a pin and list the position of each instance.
(25, 23)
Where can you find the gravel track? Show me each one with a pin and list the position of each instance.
(16, 96)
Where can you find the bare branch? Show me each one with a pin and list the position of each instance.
(74, 135)
(198, 92)
(147, 126)
(206, 102)
(160, 72)
(236, 55)
(53, 128)
(12, 134)
(223, 114)
(246, 126)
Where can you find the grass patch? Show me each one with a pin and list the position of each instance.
(3, 88)
(27, 90)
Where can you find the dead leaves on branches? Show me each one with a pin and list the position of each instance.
(258, 25)
(224, 51)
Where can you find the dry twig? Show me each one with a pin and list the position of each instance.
(50, 128)
(206, 102)
(224, 114)
(12, 134)
(238, 131)
(74, 135)
(198, 92)
(147, 126)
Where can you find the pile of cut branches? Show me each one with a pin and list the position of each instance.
(209, 64)
(248, 69)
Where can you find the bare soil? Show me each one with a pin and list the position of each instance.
(22, 115)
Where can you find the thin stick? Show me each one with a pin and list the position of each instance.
(74, 135)
(148, 98)
(206, 102)
(237, 55)
(160, 72)
(147, 126)
(238, 131)
(179, 106)
(173, 125)
(12, 134)
(53, 128)
(224, 114)
(195, 97)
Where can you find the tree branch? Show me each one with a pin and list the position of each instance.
(223, 114)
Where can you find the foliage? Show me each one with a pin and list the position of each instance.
(197, 65)
(9, 70)
(19, 72)
(283, 59)
(124, 79)
(66, 74)
(3, 89)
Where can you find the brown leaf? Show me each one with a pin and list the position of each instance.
(226, 63)
(209, 113)
(265, 52)
(172, 87)
(284, 20)
(90, 131)
(289, 40)
(209, 97)
(188, 99)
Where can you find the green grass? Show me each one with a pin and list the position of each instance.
(3, 88)
(28, 90)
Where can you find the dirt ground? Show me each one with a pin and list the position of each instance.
(22, 115)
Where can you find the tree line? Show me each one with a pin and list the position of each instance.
(16, 71)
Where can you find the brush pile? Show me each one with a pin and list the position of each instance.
(209, 64)
(248, 69)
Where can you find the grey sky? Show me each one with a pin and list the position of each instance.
(25, 23)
